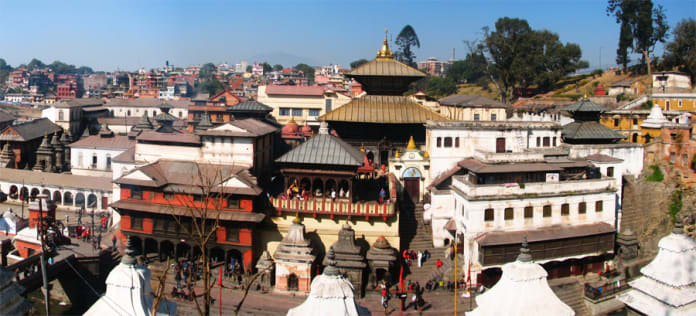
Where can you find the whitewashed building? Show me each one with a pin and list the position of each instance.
(146, 106)
(93, 155)
(75, 114)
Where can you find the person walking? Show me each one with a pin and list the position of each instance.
(420, 259)
(113, 241)
(99, 239)
(79, 216)
(438, 263)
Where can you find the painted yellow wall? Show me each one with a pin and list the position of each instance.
(627, 127)
(327, 230)
(688, 104)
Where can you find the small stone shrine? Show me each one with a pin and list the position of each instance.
(349, 258)
(294, 260)
(44, 156)
(628, 253)
(382, 259)
(265, 265)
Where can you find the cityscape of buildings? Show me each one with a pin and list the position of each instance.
(336, 188)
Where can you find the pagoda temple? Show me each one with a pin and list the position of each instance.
(349, 258)
(586, 129)
(294, 260)
(668, 284)
(383, 119)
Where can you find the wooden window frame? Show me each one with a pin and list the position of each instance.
(489, 215)
(509, 214)
(548, 211)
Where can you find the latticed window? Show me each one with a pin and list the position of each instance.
(528, 212)
(599, 206)
(509, 214)
(565, 209)
(547, 210)
(488, 215)
(582, 208)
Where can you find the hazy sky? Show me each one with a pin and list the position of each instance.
(107, 35)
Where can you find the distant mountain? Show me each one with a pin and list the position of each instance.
(283, 58)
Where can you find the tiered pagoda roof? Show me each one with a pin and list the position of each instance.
(347, 252)
(324, 149)
(383, 109)
(294, 247)
(586, 128)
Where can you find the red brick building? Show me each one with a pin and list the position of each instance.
(153, 195)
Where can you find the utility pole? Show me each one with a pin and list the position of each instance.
(647, 58)
(44, 251)
(22, 198)
(456, 240)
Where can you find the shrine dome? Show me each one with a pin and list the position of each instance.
(290, 129)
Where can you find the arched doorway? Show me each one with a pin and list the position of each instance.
(46, 193)
(14, 192)
(91, 201)
(24, 193)
(182, 250)
(217, 255)
(412, 178)
(67, 198)
(34, 193)
(80, 200)
(235, 263)
(318, 188)
(150, 246)
(634, 138)
(57, 197)
(293, 282)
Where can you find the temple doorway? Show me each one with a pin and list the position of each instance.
(293, 282)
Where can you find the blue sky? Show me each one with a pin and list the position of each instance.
(107, 35)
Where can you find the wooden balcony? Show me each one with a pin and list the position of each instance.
(337, 207)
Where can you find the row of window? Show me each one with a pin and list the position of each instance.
(137, 194)
(545, 141)
(509, 213)
(477, 117)
(95, 160)
(147, 113)
(447, 142)
(297, 112)
(172, 226)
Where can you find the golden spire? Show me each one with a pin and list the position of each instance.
(397, 154)
(297, 219)
(426, 155)
(411, 144)
(385, 52)
(362, 147)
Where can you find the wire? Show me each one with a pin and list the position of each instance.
(122, 311)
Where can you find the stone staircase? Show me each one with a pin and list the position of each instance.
(570, 291)
(421, 240)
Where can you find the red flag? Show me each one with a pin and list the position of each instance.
(401, 278)
(468, 273)
(220, 277)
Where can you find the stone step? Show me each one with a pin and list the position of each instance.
(570, 291)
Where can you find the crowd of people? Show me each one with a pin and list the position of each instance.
(186, 273)
(419, 257)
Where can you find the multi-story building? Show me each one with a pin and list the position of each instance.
(303, 104)
(146, 106)
(434, 67)
(92, 156)
(74, 115)
(472, 108)
(675, 101)
(156, 207)
(671, 82)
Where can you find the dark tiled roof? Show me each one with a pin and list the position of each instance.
(481, 167)
(165, 117)
(6, 117)
(183, 176)
(602, 158)
(179, 138)
(324, 149)
(30, 130)
(585, 105)
(385, 67)
(184, 211)
(589, 130)
(251, 106)
(383, 109)
(69, 103)
(56, 179)
(146, 103)
(543, 234)
(96, 141)
(249, 128)
(465, 100)
(127, 156)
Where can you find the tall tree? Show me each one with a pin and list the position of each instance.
(266, 67)
(307, 70)
(407, 38)
(469, 70)
(520, 57)
(207, 71)
(358, 63)
(681, 51)
(35, 63)
(277, 67)
(642, 25)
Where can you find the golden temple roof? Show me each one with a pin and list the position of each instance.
(384, 109)
(385, 52)
(385, 65)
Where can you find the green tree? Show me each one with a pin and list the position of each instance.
(207, 71)
(407, 38)
(210, 86)
(520, 57)
(438, 87)
(266, 67)
(60, 67)
(358, 63)
(249, 68)
(35, 63)
(469, 70)
(307, 70)
(84, 70)
(681, 51)
(277, 67)
(5, 70)
(642, 25)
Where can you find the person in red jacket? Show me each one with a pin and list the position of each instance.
(438, 263)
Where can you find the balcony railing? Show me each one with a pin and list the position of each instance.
(605, 291)
(533, 188)
(338, 207)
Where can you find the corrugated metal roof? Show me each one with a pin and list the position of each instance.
(295, 90)
(543, 234)
(179, 138)
(251, 128)
(324, 150)
(56, 179)
(589, 130)
(69, 103)
(146, 102)
(385, 109)
(31, 130)
(5, 116)
(385, 67)
(251, 106)
(96, 141)
(585, 105)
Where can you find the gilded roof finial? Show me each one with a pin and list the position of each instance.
(297, 219)
(397, 154)
(385, 52)
(411, 144)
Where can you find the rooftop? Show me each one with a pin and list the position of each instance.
(242, 128)
(146, 102)
(70, 103)
(56, 179)
(465, 100)
(295, 90)
(178, 138)
(383, 109)
(29, 130)
(98, 142)
(494, 125)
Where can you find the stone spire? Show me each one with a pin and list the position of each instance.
(104, 131)
(525, 255)
(44, 156)
(330, 261)
(59, 150)
(131, 253)
(85, 133)
(656, 119)
(205, 123)
(143, 124)
(65, 140)
(323, 128)
(6, 157)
